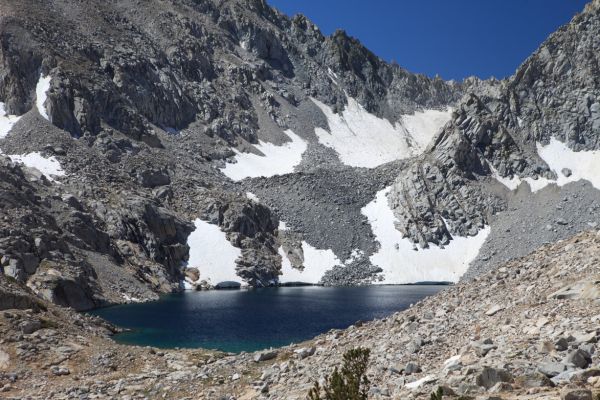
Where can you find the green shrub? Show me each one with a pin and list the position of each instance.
(349, 383)
(438, 394)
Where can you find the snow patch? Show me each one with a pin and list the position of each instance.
(212, 254)
(362, 139)
(583, 164)
(402, 264)
(48, 166)
(420, 382)
(316, 263)
(251, 196)
(356, 255)
(511, 183)
(282, 226)
(422, 126)
(187, 284)
(6, 121)
(514, 182)
(538, 183)
(451, 360)
(131, 299)
(41, 91)
(277, 160)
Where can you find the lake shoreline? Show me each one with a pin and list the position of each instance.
(255, 319)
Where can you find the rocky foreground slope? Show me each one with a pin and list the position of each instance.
(526, 331)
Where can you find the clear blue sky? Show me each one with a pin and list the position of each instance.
(452, 38)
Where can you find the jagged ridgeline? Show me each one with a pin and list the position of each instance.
(160, 145)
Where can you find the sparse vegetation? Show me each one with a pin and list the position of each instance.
(438, 394)
(349, 383)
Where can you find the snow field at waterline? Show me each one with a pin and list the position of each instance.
(212, 254)
(402, 264)
(316, 263)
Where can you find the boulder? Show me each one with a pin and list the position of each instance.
(494, 310)
(28, 327)
(488, 377)
(551, 369)
(305, 352)
(585, 337)
(566, 172)
(152, 178)
(561, 344)
(482, 348)
(575, 394)
(265, 355)
(534, 380)
(59, 371)
(412, 368)
(192, 273)
(578, 358)
(584, 289)
(4, 360)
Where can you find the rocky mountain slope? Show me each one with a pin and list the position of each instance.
(190, 144)
(528, 330)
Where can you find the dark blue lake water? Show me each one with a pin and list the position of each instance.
(248, 320)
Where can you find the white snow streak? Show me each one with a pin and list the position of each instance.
(187, 284)
(583, 164)
(316, 263)
(48, 166)
(418, 383)
(362, 139)
(401, 264)
(511, 183)
(41, 91)
(6, 121)
(251, 196)
(282, 226)
(277, 160)
(212, 254)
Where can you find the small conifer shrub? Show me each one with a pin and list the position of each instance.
(438, 394)
(349, 383)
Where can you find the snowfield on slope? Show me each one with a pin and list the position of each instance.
(422, 126)
(514, 182)
(316, 263)
(212, 254)
(49, 166)
(401, 264)
(6, 121)
(583, 164)
(558, 156)
(277, 160)
(362, 139)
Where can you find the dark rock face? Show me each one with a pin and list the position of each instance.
(172, 66)
(157, 95)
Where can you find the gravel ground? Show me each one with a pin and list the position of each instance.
(533, 219)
